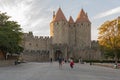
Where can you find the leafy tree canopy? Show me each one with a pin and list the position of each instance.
(10, 35)
(109, 36)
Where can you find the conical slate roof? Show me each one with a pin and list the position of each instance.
(59, 16)
(82, 17)
(71, 20)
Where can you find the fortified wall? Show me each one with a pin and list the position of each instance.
(68, 38)
(35, 42)
(36, 48)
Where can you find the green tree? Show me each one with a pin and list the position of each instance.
(109, 36)
(10, 35)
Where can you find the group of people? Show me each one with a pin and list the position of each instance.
(61, 61)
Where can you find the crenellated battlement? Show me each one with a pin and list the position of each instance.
(44, 37)
(30, 35)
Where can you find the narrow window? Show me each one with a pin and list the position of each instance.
(37, 45)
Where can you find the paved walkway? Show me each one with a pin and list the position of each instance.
(47, 71)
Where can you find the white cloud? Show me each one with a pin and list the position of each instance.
(108, 13)
(32, 15)
(16, 9)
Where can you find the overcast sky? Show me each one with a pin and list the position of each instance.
(35, 15)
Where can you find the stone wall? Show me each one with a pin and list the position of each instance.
(83, 34)
(72, 35)
(31, 42)
(88, 55)
(35, 56)
(59, 31)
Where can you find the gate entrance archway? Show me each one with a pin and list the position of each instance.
(58, 54)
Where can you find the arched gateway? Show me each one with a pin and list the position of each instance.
(59, 50)
(57, 54)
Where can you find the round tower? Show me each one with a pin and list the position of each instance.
(71, 32)
(83, 30)
(59, 28)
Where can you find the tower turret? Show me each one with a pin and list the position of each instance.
(71, 21)
(59, 28)
(83, 30)
(71, 32)
(59, 16)
(53, 14)
(82, 17)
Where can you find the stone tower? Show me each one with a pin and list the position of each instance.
(83, 30)
(59, 32)
(70, 37)
(71, 32)
(59, 28)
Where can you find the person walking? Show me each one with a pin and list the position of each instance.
(51, 60)
(60, 62)
(71, 63)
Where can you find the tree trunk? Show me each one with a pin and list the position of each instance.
(2, 55)
(116, 59)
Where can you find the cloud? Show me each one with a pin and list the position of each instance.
(38, 18)
(32, 15)
(16, 9)
(107, 13)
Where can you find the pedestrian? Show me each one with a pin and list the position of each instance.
(65, 61)
(51, 60)
(71, 63)
(60, 62)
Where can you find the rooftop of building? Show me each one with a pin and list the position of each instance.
(59, 16)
